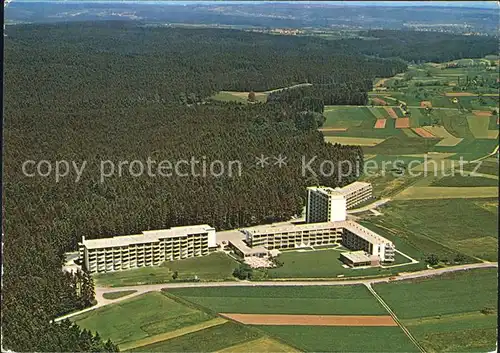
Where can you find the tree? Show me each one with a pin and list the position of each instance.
(488, 310)
(459, 258)
(175, 275)
(243, 272)
(87, 291)
(432, 259)
(251, 96)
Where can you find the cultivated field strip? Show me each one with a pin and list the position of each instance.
(312, 320)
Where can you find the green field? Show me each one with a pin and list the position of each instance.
(343, 339)
(402, 144)
(452, 293)
(443, 227)
(444, 312)
(325, 264)
(340, 300)
(465, 181)
(140, 317)
(486, 167)
(215, 267)
(207, 340)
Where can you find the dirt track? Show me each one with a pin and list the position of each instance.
(312, 320)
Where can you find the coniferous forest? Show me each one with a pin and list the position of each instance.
(120, 91)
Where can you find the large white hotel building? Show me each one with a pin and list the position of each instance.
(326, 224)
(350, 234)
(324, 203)
(150, 248)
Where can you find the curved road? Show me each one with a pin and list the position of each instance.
(141, 289)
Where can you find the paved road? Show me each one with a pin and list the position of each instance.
(369, 207)
(141, 289)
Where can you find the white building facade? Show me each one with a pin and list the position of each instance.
(324, 204)
(150, 248)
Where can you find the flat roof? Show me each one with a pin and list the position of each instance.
(326, 190)
(147, 236)
(245, 249)
(352, 226)
(365, 233)
(340, 191)
(356, 256)
(178, 231)
(353, 187)
(270, 228)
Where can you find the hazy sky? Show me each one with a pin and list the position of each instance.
(482, 4)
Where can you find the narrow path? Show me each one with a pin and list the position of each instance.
(412, 261)
(145, 288)
(289, 87)
(400, 324)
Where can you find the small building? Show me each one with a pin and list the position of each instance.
(356, 258)
(243, 250)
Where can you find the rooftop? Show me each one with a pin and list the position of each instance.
(246, 250)
(357, 256)
(340, 191)
(270, 228)
(352, 226)
(365, 233)
(352, 187)
(148, 236)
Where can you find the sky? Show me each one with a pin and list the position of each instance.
(480, 4)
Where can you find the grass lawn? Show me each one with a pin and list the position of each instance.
(478, 125)
(207, 340)
(443, 227)
(214, 267)
(470, 332)
(459, 180)
(339, 300)
(470, 150)
(264, 344)
(393, 162)
(139, 317)
(402, 144)
(444, 312)
(485, 167)
(119, 294)
(359, 122)
(323, 264)
(172, 334)
(343, 339)
(452, 293)
(400, 242)
(435, 192)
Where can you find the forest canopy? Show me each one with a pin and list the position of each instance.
(120, 91)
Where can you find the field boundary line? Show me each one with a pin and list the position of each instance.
(172, 334)
(395, 318)
(289, 348)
